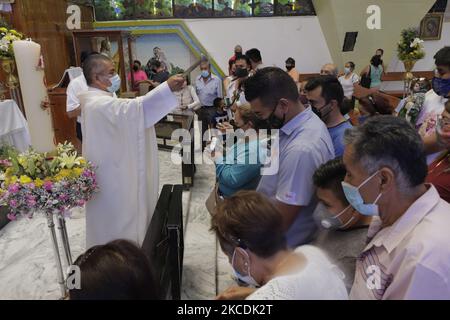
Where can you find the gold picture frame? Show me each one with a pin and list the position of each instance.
(431, 26)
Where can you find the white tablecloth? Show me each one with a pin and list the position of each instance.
(13, 126)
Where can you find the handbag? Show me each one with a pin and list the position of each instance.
(366, 80)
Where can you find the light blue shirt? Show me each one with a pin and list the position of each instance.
(240, 168)
(304, 145)
(209, 90)
(337, 136)
(375, 76)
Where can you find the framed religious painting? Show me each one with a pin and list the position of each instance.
(431, 26)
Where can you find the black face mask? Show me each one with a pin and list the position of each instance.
(316, 111)
(241, 72)
(135, 67)
(238, 54)
(289, 67)
(319, 113)
(272, 122)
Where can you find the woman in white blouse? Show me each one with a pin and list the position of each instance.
(250, 233)
(349, 79)
(187, 97)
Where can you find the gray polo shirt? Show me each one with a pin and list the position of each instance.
(304, 145)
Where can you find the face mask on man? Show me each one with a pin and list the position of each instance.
(329, 220)
(272, 122)
(289, 67)
(441, 87)
(241, 72)
(324, 112)
(205, 73)
(248, 279)
(115, 83)
(136, 67)
(356, 201)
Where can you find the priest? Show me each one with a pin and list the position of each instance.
(119, 138)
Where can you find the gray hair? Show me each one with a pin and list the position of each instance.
(388, 141)
(93, 65)
(335, 68)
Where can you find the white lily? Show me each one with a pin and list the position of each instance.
(416, 42)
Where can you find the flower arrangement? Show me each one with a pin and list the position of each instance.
(410, 47)
(48, 182)
(7, 37)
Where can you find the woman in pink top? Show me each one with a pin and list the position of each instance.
(138, 74)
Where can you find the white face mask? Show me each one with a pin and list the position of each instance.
(329, 220)
(248, 279)
(115, 83)
(347, 70)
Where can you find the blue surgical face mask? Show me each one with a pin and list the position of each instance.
(328, 220)
(356, 201)
(347, 70)
(115, 83)
(441, 87)
(205, 73)
(248, 279)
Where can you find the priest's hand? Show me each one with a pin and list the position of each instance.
(176, 82)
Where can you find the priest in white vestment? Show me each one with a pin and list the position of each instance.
(119, 138)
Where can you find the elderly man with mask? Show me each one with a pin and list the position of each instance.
(408, 256)
(120, 139)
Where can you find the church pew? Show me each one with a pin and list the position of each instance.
(163, 241)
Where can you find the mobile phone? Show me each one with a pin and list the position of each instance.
(213, 144)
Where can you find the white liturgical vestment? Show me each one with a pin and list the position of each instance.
(119, 138)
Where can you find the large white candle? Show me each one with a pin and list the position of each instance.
(27, 54)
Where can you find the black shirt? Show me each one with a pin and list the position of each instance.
(161, 77)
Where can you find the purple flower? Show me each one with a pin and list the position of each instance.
(13, 203)
(13, 188)
(81, 202)
(48, 185)
(63, 197)
(31, 202)
(11, 216)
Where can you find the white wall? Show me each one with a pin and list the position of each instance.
(278, 38)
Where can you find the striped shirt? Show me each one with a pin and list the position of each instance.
(409, 259)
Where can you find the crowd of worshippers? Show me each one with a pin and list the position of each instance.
(358, 208)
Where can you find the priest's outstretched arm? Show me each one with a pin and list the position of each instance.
(161, 100)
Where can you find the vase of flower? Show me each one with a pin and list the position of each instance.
(409, 50)
(9, 67)
(409, 65)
